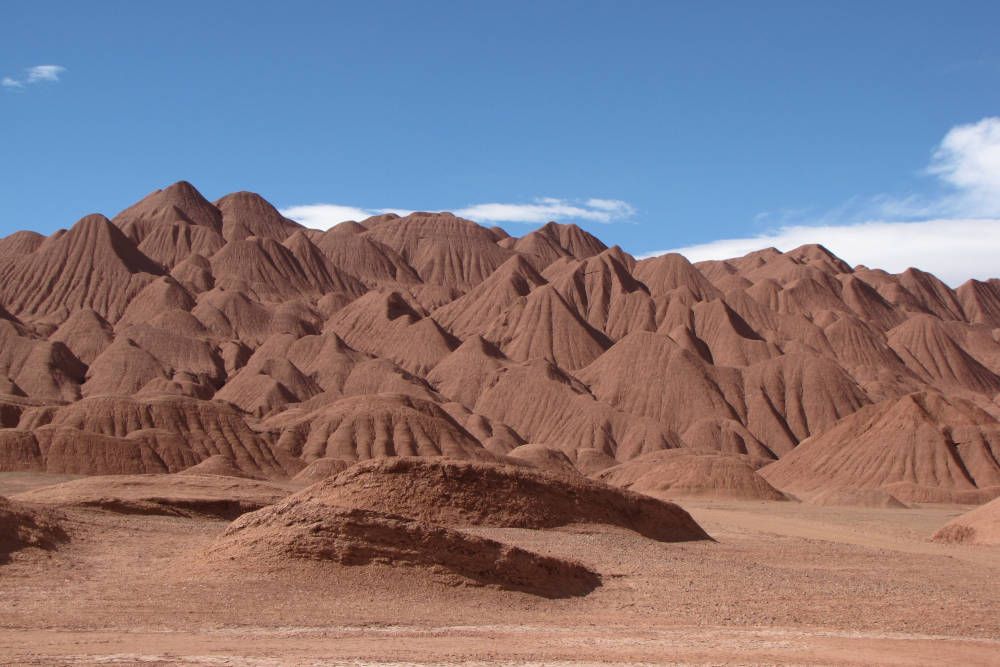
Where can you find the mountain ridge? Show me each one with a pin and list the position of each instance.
(428, 333)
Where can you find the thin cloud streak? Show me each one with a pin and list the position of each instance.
(33, 75)
(45, 73)
(542, 210)
(546, 209)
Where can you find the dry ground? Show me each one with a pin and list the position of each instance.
(784, 584)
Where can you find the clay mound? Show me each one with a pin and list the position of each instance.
(176, 351)
(796, 395)
(195, 273)
(56, 449)
(268, 387)
(93, 265)
(215, 465)
(375, 425)
(247, 214)
(924, 345)
(321, 271)
(809, 296)
(590, 461)
(933, 295)
(444, 249)
(297, 533)
(730, 340)
(233, 314)
(863, 351)
(172, 495)
(603, 292)
(466, 315)
(544, 458)
(202, 428)
(180, 202)
(322, 468)
(40, 369)
(20, 243)
(85, 333)
(362, 256)
(463, 374)
(468, 493)
(633, 374)
(160, 296)
(325, 358)
(979, 526)
(569, 239)
(386, 325)
(267, 271)
(980, 301)
(545, 405)
(123, 368)
(922, 441)
(497, 437)
(666, 273)
(818, 255)
(728, 437)
(539, 249)
(170, 243)
(869, 305)
(22, 526)
(857, 498)
(677, 473)
(8, 387)
(543, 326)
(937, 495)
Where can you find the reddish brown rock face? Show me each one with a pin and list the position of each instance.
(185, 333)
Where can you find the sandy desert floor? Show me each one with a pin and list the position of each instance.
(784, 583)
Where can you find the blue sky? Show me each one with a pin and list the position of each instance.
(656, 125)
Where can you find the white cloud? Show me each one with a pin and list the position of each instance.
(545, 209)
(324, 216)
(952, 249)
(45, 73)
(955, 235)
(35, 74)
(542, 210)
(612, 205)
(968, 159)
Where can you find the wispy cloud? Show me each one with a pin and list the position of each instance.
(324, 216)
(542, 210)
(954, 233)
(545, 209)
(32, 75)
(45, 73)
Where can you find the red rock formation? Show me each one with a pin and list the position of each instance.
(186, 332)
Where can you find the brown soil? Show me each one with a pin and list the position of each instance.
(784, 583)
(345, 540)
(978, 526)
(23, 526)
(685, 473)
(857, 498)
(472, 493)
(177, 495)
